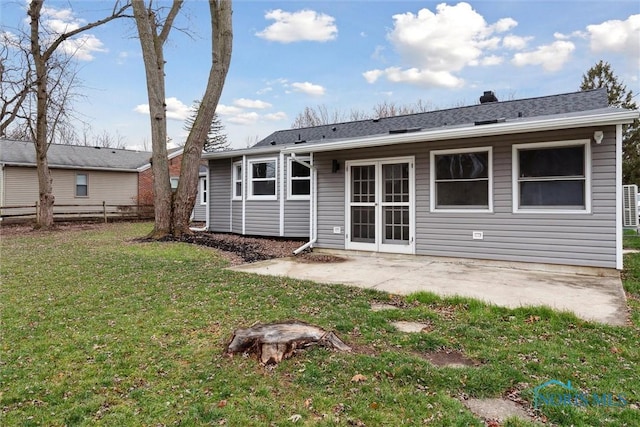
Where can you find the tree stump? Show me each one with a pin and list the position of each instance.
(277, 341)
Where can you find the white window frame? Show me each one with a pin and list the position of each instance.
(290, 178)
(202, 185)
(586, 143)
(235, 179)
(75, 188)
(433, 192)
(251, 179)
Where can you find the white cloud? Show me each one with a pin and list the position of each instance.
(280, 115)
(617, 36)
(251, 103)
(244, 118)
(176, 109)
(551, 57)
(492, 60)
(304, 25)
(377, 54)
(308, 88)
(227, 110)
(515, 42)
(83, 47)
(60, 21)
(434, 46)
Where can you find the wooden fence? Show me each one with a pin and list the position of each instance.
(102, 212)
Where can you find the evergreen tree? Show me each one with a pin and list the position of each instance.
(216, 140)
(601, 75)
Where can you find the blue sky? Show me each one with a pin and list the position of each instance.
(345, 55)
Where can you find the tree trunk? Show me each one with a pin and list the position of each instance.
(152, 53)
(221, 46)
(40, 134)
(277, 341)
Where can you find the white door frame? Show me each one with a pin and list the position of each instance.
(379, 245)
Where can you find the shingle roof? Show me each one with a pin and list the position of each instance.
(521, 108)
(73, 156)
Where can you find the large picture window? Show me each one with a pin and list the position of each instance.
(462, 180)
(236, 179)
(262, 179)
(299, 185)
(551, 176)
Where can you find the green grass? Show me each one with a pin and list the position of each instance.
(631, 239)
(100, 330)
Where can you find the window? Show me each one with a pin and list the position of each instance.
(262, 179)
(236, 179)
(82, 185)
(299, 185)
(461, 180)
(203, 190)
(552, 176)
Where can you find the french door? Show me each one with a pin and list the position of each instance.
(380, 205)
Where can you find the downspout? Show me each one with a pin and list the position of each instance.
(312, 204)
(244, 193)
(281, 191)
(619, 257)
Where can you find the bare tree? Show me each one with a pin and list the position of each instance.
(16, 77)
(47, 113)
(172, 213)
(321, 115)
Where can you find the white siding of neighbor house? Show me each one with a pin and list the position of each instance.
(219, 195)
(114, 188)
(577, 238)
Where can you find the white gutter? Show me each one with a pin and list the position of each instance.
(242, 152)
(511, 127)
(313, 216)
(92, 168)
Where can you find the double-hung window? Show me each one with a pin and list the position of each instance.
(236, 179)
(461, 180)
(299, 185)
(552, 176)
(82, 185)
(262, 179)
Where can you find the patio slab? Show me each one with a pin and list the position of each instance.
(591, 293)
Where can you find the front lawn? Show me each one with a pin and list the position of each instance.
(100, 330)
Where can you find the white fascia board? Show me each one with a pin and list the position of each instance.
(242, 152)
(89, 168)
(539, 125)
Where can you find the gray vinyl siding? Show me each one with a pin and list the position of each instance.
(219, 195)
(262, 218)
(296, 218)
(236, 216)
(113, 188)
(578, 239)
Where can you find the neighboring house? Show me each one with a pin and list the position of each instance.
(84, 176)
(81, 176)
(533, 180)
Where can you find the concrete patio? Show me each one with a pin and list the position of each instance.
(591, 293)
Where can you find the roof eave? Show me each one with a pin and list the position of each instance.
(555, 123)
(241, 152)
(54, 166)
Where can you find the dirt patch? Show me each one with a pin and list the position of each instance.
(240, 249)
(311, 257)
(496, 411)
(450, 359)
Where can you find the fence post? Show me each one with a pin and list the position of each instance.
(37, 212)
(104, 211)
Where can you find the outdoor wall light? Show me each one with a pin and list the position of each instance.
(598, 136)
